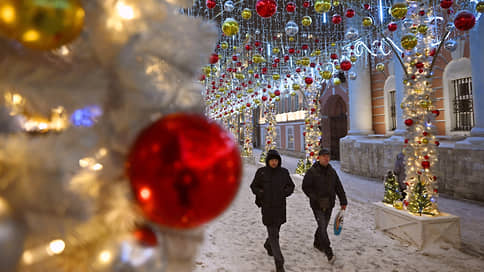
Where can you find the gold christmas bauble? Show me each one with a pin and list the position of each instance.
(409, 41)
(336, 3)
(258, 58)
(305, 61)
(367, 22)
(322, 6)
(41, 25)
(380, 67)
(278, 99)
(246, 14)
(480, 7)
(239, 76)
(306, 21)
(276, 76)
(291, 39)
(353, 58)
(296, 86)
(230, 27)
(293, 94)
(399, 10)
(327, 74)
(317, 52)
(250, 90)
(336, 81)
(224, 45)
(425, 140)
(422, 29)
(424, 103)
(275, 50)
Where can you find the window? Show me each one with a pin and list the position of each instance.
(290, 137)
(463, 104)
(393, 110)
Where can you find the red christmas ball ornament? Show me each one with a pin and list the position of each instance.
(286, 58)
(436, 113)
(213, 58)
(257, 44)
(304, 133)
(350, 13)
(177, 181)
(445, 4)
(290, 7)
(298, 70)
(419, 65)
(426, 157)
(336, 19)
(146, 236)
(277, 92)
(421, 13)
(264, 98)
(276, 60)
(426, 164)
(269, 86)
(308, 80)
(291, 50)
(425, 133)
(406, 141)
(234, 57)
(345, 65)
(312, 64)
(202, 77)
(334, 56)
(248, 105)
(268, 142)
(264, 70)
(248, 47)
(437, 143)
(305, 47)
(367, 6)
(464, 20)
(408, 122)
(392, 26)
(266, 8)
(306, 4)
(436, 191)
(210, 4)
(311, 153)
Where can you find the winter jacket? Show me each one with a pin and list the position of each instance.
(399, 170)
(321, 184)
(271, 187)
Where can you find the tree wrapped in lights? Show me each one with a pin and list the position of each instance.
(100, 147)
(419, 201)
(392, 188)
(248, 132)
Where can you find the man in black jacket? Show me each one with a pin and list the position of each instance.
(321, 184)
(271, 185)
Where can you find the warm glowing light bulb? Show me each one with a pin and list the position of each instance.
(105, 257)
(7, 14)
(126, 12)
(56, 247)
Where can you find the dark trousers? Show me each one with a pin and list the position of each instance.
(321, 239)
(273, 243)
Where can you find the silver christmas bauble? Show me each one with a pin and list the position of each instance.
(450, 45)
(291, 29)
(352, 75)
(229, 6)
(351, 34)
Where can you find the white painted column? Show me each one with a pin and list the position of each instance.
(361, 121)
(476, 140)
(399, 132)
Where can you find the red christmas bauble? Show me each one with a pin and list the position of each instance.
(264, 70)
(257, 43)
(286, 58)
(268, 142)
(436, 112)
(308, 80)
(145, 236)
(445, 4)
(305, 47)
(464, 20)
(392, 26)
(264, 98)
(406, 141)
(266, 8)
(345, 65)
(248, 47)
(213, 58)
(437, 143)
(333, 56)
(291, 50)
(178, 181)
(311, 153)
(336, 19)
(304, 133)
(306, 4)
(210, 4)
(425, 133)
(248, 105)
(426, 164)
(277, 92)
(350, 13)
(298, 70)
(234, 57)
(408, 122)
(367, 6)
(419, 65)
(277, 60)
(426, 157)
(290, 7)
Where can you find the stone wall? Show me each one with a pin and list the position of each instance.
(460, 171)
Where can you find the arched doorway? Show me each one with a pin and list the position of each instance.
(336, 125)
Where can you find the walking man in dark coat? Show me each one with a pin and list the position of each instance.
(321, 184)
(271, 185)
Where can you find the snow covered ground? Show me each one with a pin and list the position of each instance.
(234, 241)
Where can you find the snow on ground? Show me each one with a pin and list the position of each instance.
(234, 241)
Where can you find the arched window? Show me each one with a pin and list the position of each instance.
(389, 91)
(458, 98)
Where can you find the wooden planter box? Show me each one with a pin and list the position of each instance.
(421, 231)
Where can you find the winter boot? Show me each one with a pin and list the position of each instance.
(280, 267)
(267, 246)
(330, 256)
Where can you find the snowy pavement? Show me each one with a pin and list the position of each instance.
(234, 241)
